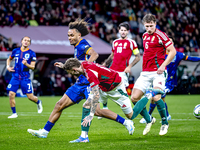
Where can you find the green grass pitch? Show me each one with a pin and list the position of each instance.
(183, 134)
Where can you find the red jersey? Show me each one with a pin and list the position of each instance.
(154, 50)
(107, 79)
(123, 49)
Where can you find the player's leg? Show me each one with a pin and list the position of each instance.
(166, 107)
(142, 83)
(12, 88)
(120, 97)
(63, 103)
(71, 96)
(27, 88)
(12, 104)
(151, 109)
(158, 83)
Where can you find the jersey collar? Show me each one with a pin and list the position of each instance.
(24, 50)
(78, 42)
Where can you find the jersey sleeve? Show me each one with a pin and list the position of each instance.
(86, 47)
(113, 46)
(33, 58)
(13, 54)
(163, 39)
(134, 47)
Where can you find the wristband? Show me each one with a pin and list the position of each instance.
(91, 114)
(7, 66)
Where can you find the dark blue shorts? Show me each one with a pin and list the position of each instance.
(25, 85)
(77, 92)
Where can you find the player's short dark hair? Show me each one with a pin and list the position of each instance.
(80, 25)
(70, 63)
(125, 25)
(148, 18)
(28, 37)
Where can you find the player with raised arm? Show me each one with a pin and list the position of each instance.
(105, 83)
(25, 60)
(155, 43)
(81, 89)
(171, 79)
(122, 49)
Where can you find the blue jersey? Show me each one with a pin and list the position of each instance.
(22, 71)
(81, 88)
(172, 67)
(81, 50)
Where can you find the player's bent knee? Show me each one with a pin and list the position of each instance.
(59, 106)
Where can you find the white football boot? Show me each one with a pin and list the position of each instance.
(13, 115)
(129, 126)
(148, 126)
(41, 133)
(164, 129)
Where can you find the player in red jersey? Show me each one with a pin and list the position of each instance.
(105, 83)
(153, 73)
(122, 49)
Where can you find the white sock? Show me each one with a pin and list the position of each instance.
(84, 134)
(45, 131)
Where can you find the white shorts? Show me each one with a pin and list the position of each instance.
(124, 77)
(119, 96)
(148, 79)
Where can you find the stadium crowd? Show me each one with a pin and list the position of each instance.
(178, 18)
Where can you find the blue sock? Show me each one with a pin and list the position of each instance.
(120, 119)
(13, 109)
(151, 108)
(38, 101)
(48, 126)
(166, 109)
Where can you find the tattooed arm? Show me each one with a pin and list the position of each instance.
(93, 102)
(108, 60)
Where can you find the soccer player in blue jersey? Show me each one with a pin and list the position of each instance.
(24, 61)
(171, 79)
(81, 89)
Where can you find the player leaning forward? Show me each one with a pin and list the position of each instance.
(105, 83)
(155, 43)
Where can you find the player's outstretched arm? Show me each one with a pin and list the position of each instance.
(191, 58)
(59, 64)
(93, 102)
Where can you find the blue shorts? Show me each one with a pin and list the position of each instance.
(77, 92)
(25, 85)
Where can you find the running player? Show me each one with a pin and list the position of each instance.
(155, 43)
(171, 79)
(24, 60)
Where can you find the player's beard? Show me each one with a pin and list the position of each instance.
(123, 37)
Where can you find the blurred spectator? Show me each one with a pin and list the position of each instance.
(33, 22)
(179, 19)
